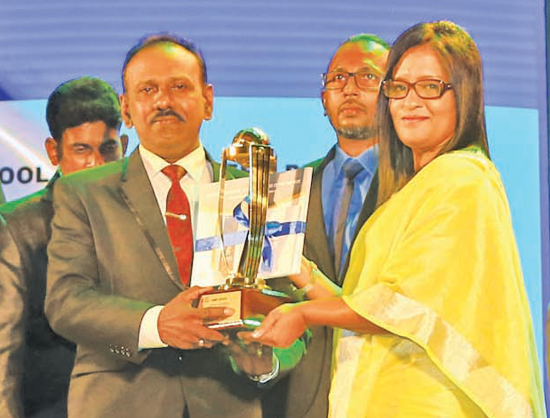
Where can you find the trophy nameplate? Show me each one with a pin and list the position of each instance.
(249, 303)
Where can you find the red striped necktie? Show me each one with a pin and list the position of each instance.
(178, 222)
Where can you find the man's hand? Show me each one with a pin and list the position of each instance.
(251, 357)
(181, 325)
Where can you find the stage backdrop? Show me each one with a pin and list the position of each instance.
(265, 60)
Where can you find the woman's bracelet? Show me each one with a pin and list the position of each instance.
(306, 288)
(312, 267)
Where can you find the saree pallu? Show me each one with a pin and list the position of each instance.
(437, 267)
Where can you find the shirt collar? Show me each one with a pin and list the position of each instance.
(368, 159)
(194, 162)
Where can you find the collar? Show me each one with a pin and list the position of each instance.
(368, 159)
(194, 162)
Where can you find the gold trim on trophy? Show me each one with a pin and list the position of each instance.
(243, 291)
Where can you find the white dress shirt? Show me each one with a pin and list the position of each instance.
(199, 171)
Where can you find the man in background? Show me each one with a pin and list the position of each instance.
(343, 195)
(83, 117)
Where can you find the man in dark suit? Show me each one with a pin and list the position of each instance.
(117, 285)
(84, 118)
(349, 95)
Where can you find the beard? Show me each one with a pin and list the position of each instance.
(358, 133)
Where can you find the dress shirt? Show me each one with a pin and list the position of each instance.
(332, 184)
(199, 171)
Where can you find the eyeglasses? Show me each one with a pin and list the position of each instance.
(425, 89)
(365, 80)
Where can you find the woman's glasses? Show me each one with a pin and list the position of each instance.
(425, 89)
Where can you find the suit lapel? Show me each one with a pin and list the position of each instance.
(316, 242)
(316, 237)
(48, 192)
(137, 192)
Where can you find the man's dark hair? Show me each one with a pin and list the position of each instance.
(82, 100)
(165, 38)
(367, 42)
(367, 38)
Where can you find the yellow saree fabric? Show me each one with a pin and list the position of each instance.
(437, 266)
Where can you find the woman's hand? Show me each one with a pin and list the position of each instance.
(282, 326)
(303, 278)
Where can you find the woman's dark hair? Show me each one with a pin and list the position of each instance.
(461, 59)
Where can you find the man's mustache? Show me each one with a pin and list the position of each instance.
(167, 112)
(352, 103)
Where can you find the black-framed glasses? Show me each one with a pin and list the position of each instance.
(425, 89)
(337, 80)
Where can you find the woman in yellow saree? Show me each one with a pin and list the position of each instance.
(432, 319)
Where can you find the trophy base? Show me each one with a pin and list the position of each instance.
(250, 305)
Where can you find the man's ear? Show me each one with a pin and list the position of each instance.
(324, 100)
(208, 94)
(52, 146)
(124, 143)
(124, 110)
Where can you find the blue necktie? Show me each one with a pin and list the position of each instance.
(351, 169)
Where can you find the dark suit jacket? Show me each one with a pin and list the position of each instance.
(111, 260)
(306, 390)
(35, 363)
